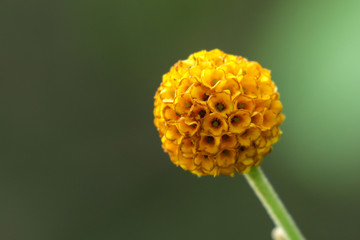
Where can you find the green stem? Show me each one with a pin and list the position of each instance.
(272, 203)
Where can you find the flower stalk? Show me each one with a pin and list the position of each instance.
(272, 203)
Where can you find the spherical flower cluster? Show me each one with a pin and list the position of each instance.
(217, 113)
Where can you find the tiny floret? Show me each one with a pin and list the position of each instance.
(217, 113)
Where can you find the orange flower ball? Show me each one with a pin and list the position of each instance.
(217, 113)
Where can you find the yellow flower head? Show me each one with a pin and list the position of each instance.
(217, 113)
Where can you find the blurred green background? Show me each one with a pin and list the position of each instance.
(81, 159)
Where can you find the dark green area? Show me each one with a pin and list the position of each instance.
(80, 157)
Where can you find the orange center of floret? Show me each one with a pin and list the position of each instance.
(216, 122)
(220, 107)
(225, 137)
(241, 105)
(202, 113)
(209, 139)
(235, 120)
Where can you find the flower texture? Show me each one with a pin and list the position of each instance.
(217, 113)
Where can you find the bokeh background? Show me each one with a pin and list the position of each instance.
(81, 159)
